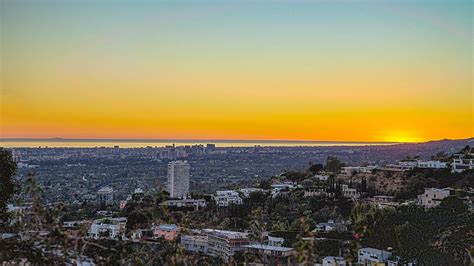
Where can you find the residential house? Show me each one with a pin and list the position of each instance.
(432, 164)
(226, 197)
(225, 243)
(195, 243)
(186, 203)
(108, 228)
(272, 252)
(433, 196)
(166, 231)
(372, 256)
(462, 162)
(334, 261)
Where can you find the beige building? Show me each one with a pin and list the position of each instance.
(178, 179)
(433, 196)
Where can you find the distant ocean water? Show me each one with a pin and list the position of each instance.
(138, 143)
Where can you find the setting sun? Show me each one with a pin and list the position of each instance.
(402, 137)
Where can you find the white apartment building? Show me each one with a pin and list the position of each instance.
(349, 170)
(279, 187)
(321, 177)
(110, 228)
(432, 164)
(247, 191)
(195, 243)
(226, 197)
(178, 179)
(225, 243)
(372, 256)
(325, 227)
(433, 196)
(334, 261)
(270, 251)
(105, 197)
(400, 166)
(349, 192)
(195, 203)
(462, 162)
(275, 241)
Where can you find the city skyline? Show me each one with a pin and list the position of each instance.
(328, 71)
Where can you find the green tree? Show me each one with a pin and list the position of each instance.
(316, 168)
(265, 184)
(333, 164)
(139, 219)
(7, 186)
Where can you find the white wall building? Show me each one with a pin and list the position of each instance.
(334, 261)
(350, 170)
(275, 241)
(247, 191)
(350, 192)
(110, 227)
(226, 197)
(279, 187)
(267, 250)
(321, 177)
(432, 164)
(225, 243)
(178, 179)
(195, 203)
(325, 227)
(371, 256)
(105, 197)
(461, 163)
(433, 196)
(195, 243)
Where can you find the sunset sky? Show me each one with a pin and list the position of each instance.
(293, 70)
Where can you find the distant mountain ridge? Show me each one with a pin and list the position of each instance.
(426, 149)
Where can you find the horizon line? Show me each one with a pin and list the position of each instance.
(56, 139)
(138, 140)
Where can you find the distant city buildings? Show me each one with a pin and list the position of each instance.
(210, 148)
(172, 152)
(105, 197)
(178, 179)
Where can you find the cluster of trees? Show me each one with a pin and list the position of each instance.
(438, 236)
(419, 179)
(333, 166)
(37, 236)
